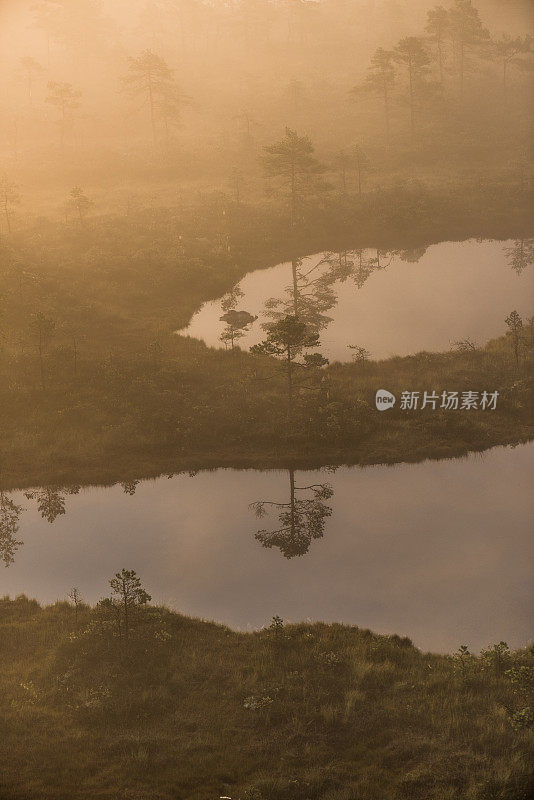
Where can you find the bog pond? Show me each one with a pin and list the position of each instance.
(391, 303)
(439, 551)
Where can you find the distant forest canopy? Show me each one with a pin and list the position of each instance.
(189, 90)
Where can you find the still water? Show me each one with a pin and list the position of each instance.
(388, 302)
(438, 551)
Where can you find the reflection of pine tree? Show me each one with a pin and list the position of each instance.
(311, 293)
(520, 255)
(308, 298)
(129, 487)
(51, 500)
(9, 527)
(302, 519)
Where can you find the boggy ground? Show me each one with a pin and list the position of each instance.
(108, 393)
(200, 408)
(189, 710)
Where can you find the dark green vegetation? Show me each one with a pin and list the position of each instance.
(187, 710)
(99, 387)
(418, 134)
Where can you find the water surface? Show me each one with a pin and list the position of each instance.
(438, 551)
(389, 302)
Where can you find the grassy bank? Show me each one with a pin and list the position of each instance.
(199, 408)
(123, 281)
(191, 710)
(109, 393)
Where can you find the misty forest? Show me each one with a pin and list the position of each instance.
(266, 348)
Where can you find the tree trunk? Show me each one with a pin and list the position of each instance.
(290, 384)
(292, 498)
(293, 195)
(294, 263)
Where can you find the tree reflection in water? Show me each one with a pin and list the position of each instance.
(310, 294)
(9, 526)
(51, 504)
(301, 520)
(51, 500)
(520, 255)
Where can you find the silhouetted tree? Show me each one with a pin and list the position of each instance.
(381, 78)
(292, 161)
(359, 354)
(237, 322)
(65, 99)
(467, 33)
(230, 336)
(170, 103)
(437, 27)
(75, 596)
(150, 77)
(411, 52)
(127, 586)
(464, 346)
(287, 338)
(508, 50)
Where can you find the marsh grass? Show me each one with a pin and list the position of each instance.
(122, 397)
(202, 408)
(320, 712)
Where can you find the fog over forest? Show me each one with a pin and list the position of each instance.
(236, 74)
(266, 383)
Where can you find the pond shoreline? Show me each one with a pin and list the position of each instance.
(141, 414)
(121, 471)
